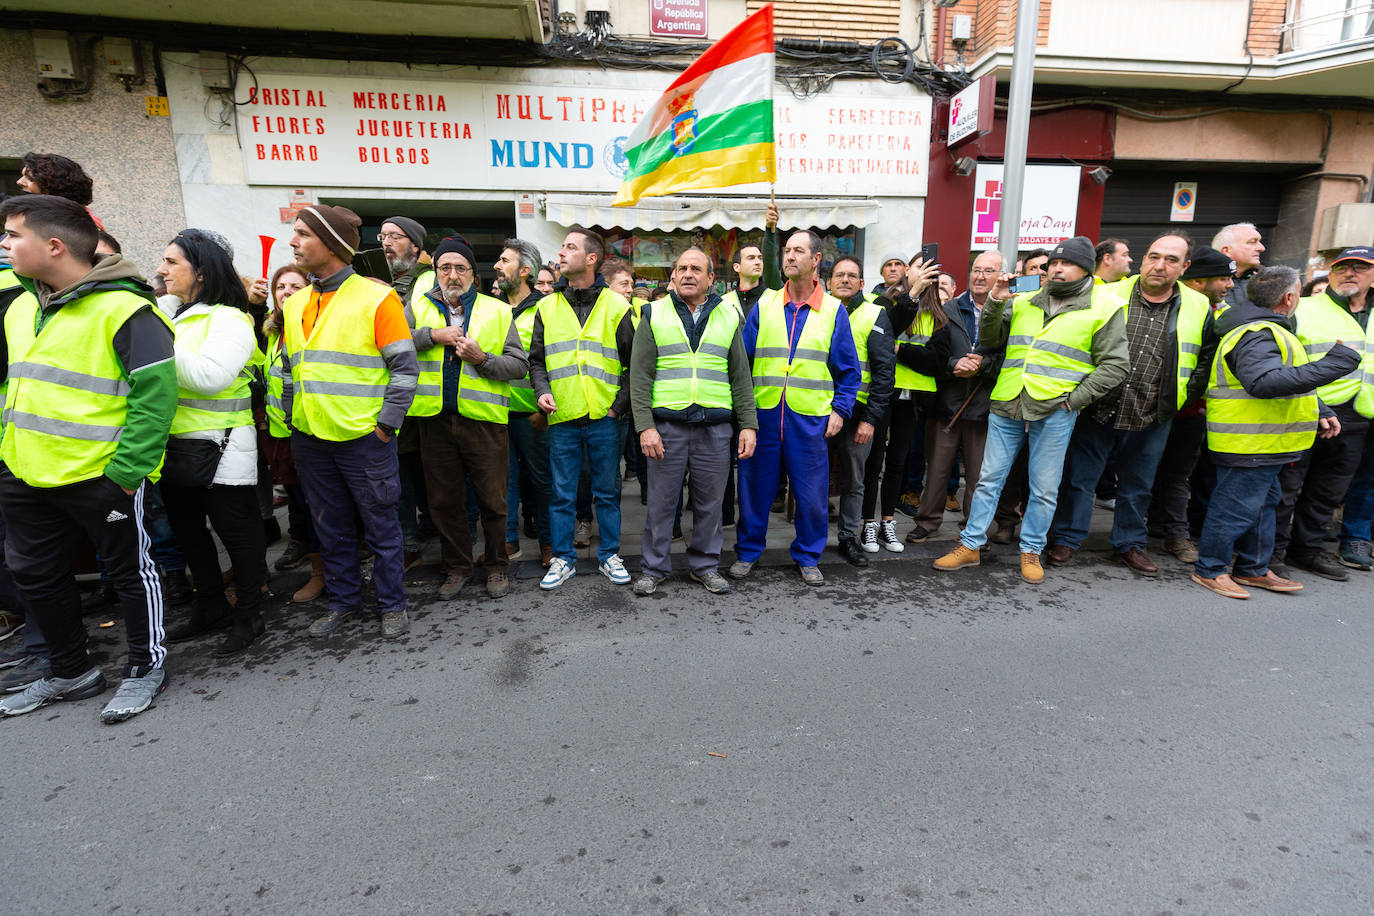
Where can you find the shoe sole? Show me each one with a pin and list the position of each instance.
(1362, 567)
(1027, 579)
(1240, 595)
(1281, 590)
(892, 548)
(550, 587)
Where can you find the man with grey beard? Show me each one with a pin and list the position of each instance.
(469, 354)
(516, 270)
(403, 240)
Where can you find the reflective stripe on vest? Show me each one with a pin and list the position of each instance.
(230, 408)
(582, 361)
(1050, 359)
(62, 425)
(338, 374)
(799, 376)
(481, 398)
(421, 312)
(1319, 322)
(1193, 309)
(908, 379)
(276, 385)
(861, 322)
(522, 389)
(1239, 423)
(683, 377)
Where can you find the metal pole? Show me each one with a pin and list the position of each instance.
(1018, 128)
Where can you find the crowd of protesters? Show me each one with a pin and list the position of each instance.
(1206, 400)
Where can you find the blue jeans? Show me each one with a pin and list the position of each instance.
(602, 442)
(1137, 457)
(1359, 498)
(1240, 522)
(529, 460)
(1048, 440)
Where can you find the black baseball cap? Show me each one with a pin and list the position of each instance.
(1207, 263)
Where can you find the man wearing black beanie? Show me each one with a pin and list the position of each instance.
(1065, 347)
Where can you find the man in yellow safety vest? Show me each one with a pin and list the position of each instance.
(353, 373)
(1263, 413)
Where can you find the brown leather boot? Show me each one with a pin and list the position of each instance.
(315, 587)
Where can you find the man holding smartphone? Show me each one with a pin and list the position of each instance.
(1065, 347)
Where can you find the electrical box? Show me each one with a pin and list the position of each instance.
(214, 70)
(1345, 226)
(961, 27)
(119, 57)
(53, 54)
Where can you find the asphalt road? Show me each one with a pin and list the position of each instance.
(897, 741)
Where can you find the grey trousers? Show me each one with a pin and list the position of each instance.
(848, 460)
(704, 450)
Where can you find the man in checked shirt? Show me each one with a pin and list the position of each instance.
(1171, 341)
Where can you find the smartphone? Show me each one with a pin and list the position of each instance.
(931, 252)
(1021, 285)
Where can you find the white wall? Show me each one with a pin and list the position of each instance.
(1185, 30)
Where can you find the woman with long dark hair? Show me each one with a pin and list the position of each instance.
(276, 443)
(216, 348)
(916, 316)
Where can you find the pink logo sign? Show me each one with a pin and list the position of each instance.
(987, 207)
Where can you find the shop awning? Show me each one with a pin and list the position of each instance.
(683, 212)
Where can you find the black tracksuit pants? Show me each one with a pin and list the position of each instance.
(43, 534)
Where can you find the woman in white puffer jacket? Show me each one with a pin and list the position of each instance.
(215, 349)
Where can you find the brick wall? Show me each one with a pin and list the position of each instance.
(846, 20)
(1264, 27)
(994, 26)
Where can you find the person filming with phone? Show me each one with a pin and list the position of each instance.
(1064, 347)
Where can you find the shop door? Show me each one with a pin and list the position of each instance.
(1137, 203)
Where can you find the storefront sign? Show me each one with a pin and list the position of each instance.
(1185, 202)
(367, 132)
(677, 18)
(970, 112)
(1049, 206)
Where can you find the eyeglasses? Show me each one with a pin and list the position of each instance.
(984, 272)
(1358, 267)
(454, 269)
(391, 236)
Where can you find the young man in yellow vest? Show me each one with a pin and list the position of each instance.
(516, 270)
(353, 373)
(1065, 347)
(90, 397)
(689, 379)
(806, 380)
(463, 425)
(580, 367)
(1262, 415)
(1171, 341)
(873, 341)
(1315, 485)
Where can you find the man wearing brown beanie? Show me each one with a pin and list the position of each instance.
(352, 375)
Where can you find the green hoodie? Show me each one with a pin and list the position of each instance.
(143, 346)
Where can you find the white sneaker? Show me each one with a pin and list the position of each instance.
(560, 571)
(887, 536)
(614, 570)
(869, 541)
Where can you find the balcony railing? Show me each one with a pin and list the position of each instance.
(1318, 24)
